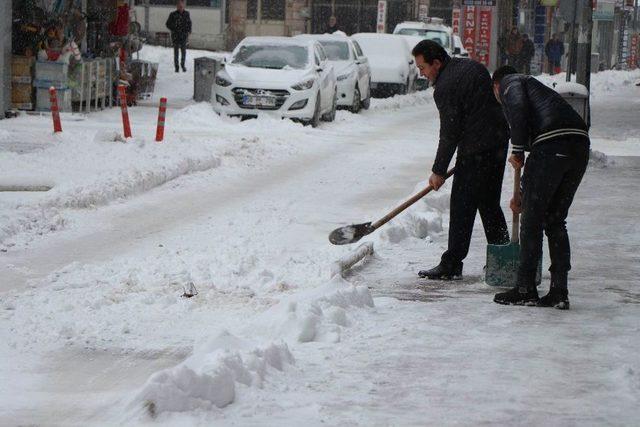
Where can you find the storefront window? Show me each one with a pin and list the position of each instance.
(271, 9)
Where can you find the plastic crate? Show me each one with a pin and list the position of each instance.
(56, 73)
(21, 93)
(21, 65)
(46, 84)
(43, 100)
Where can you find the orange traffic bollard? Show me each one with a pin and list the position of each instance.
(161, 119)
(55, 111)
(122, 91)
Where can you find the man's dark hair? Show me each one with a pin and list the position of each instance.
(430, 51)
(501, 72)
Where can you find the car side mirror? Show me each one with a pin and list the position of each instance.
(457, 51)
(411, 62)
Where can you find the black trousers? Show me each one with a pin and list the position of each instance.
(477, 185)
(552, 174)
(179, 47)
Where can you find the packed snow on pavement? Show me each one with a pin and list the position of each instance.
(95, 329)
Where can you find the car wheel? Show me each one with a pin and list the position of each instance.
(366, 103)
(315, 120)
(331, 115)
(355, 106)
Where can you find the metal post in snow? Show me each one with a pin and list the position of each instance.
(122, 91)
(161, 119)
(55, 111)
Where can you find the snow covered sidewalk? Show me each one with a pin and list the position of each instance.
(97, 332)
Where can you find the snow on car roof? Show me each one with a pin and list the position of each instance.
(284, 41)
(332, 37)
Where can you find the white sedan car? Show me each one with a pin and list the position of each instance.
(393, 69)
(354, 75)
(283, 76)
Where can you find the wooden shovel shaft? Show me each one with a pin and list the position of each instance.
(515, 229)
(388, 217)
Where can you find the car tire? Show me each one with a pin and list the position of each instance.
(355, 106)
(406, 88)
(331, 115)
(366, 103)
(315, 120)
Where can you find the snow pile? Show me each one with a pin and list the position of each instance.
(419, 221)
(601, 83)
(208, 378)
(397, 102)
(88, 169)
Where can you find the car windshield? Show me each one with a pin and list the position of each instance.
(440, 37)
(274, 57)
(336, 50)
(374, 46)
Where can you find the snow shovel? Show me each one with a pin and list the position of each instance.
(355, 232)
(503, 260)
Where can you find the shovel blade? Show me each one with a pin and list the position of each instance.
(502, 265)
(350, 233)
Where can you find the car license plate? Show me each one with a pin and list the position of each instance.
(259, 101)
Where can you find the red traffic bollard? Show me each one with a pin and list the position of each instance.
(122, 91)
(55, 111)
(161, 119)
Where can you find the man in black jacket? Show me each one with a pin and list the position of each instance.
(179, 23)
(558, 141)
(472, 122)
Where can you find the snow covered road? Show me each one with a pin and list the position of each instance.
(96, 332)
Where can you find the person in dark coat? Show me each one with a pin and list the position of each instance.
(471, 122)
(333, 25)
(179, 23)
(526, 54)
(557, 139)
(554, 49)
(514, 47)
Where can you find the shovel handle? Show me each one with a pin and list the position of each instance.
(388, 217)
(515, 229)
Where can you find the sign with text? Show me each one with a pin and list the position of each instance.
(455, 20)
(479, 2)
(469, 29)
(381, 26)
(483, 43)
(634, 45)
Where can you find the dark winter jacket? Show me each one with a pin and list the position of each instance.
(537, 114)
(179, 23)
(471, 119)
(554, 49)
(528, 50)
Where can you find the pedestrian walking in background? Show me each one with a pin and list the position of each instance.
(557, 139)
(554, 49)
(471, 122)
(179, 23)
(514, 47)
(333, 25)
(526, 54)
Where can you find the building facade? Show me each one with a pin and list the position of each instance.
(5, 57)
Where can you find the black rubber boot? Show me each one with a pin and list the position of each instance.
(558, 295)
(516, 297)
(442, 272)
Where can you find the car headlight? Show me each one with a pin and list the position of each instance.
(222, 81)
(304, 85)
(345, 76)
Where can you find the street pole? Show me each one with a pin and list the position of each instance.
(146, 17)
(572, 42)
(583, 66)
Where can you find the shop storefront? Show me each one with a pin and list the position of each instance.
(82, 48)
